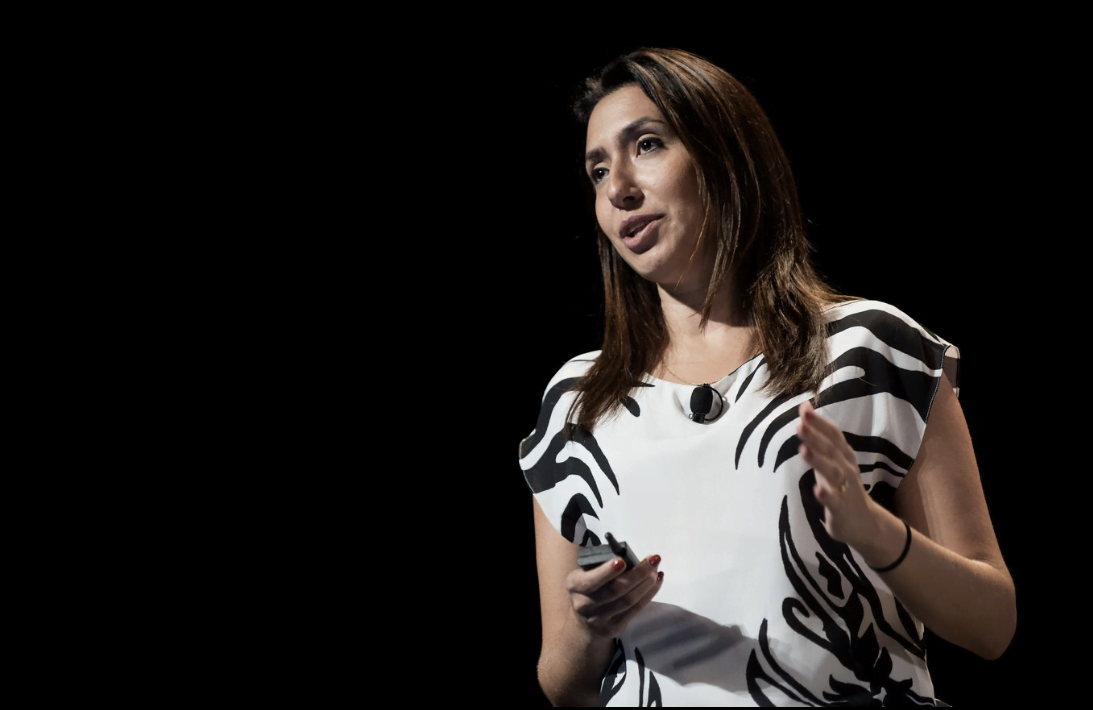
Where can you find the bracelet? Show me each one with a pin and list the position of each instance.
(906, 547)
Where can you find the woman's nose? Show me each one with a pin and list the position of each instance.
(622, 189)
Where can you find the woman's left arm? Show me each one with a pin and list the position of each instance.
(953, 577)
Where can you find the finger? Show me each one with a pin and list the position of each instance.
(619, 594)
(828, 427)
(824, 496)
(624, 617)
(606, 582)
(816, 440)
(829, 497)
(822, 434)
(828, 471)
(836, 463)
(633, 596)
(821, 430)
(588, 582)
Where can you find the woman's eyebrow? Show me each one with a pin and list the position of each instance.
(624, 135)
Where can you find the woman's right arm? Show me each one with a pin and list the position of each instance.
(582, 613)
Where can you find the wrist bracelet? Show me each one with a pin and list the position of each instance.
(906, 547)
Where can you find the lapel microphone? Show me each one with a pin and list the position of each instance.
(702, 399)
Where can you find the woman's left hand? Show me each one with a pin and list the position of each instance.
(847, 507)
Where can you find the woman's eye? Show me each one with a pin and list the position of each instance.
(647, 144)
(597, 174)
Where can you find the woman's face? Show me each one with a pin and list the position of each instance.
(646, 187)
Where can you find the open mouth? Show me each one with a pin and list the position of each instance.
(635, 225)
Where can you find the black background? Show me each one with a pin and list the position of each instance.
(930, 174)
(399, 259)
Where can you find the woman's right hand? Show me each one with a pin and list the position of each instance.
(608, 596)
(583, 612)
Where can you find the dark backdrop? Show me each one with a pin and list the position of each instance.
(925, 172)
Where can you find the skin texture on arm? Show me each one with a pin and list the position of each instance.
(582, 613)
(954, 578)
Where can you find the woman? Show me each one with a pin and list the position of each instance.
(793, 462)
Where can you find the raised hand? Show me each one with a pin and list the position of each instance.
(848, 514)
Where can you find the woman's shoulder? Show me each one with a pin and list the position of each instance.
(573, 368)
(881, 318)
(862, 307)
(885, 328)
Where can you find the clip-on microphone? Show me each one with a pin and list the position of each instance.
(702, 402)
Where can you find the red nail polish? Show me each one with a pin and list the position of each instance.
(654, 560)
(617, 564)
(660, 576)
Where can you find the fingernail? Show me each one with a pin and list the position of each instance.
(660, 576)
(617, 564)
(654, 560)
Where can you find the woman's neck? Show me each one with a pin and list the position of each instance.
(707, 352)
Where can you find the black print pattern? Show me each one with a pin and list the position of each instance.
(811, 626)
(613, 681)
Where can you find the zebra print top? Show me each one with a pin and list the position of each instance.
(759, 605)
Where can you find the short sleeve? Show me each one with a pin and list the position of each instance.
(544, 453)
(887, 368)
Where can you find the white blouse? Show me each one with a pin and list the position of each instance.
(759, 606)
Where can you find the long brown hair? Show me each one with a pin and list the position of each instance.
(751, 211)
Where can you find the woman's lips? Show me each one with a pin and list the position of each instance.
(643, 239)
